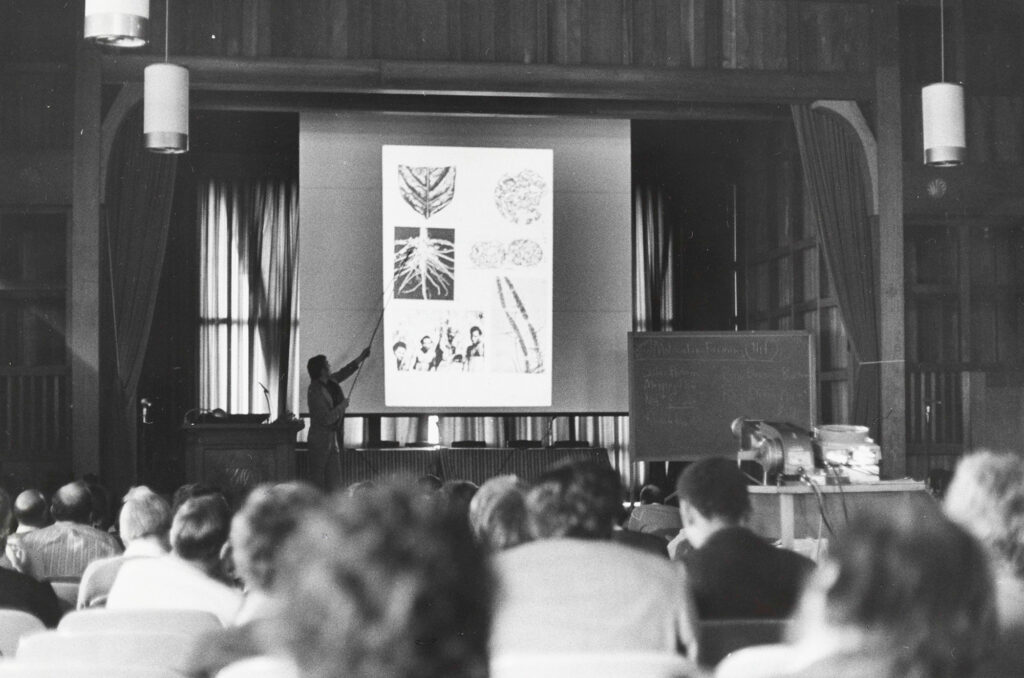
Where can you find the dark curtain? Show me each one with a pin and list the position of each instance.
(838, 184)
(136, 215)
(653, 302)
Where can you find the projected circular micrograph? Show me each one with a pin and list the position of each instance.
(518, 197)
(487, 254)
(523, 252)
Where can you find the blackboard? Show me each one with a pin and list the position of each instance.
(686, 388)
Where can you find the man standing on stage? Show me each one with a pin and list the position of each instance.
(327, 404)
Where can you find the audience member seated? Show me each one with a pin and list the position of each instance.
(573, 589)
(191, 577)
(458, 494)
(986, 497)
(734, 574)
(19, 591)
(65, 548)
(31, 513)
(906, 593)
(101, 509)
(497, 513)
(385, 584)
(267, 519)
(144, 521)
(653, 516)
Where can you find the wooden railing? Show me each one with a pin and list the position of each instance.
(34, 415)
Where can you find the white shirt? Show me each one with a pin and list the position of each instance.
(170, 583)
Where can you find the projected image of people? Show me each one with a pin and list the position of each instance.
(424, 263)
(446, 342)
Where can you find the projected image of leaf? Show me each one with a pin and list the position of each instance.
(530, 357)
(428, 190)
(424, 263)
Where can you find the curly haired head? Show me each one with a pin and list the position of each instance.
(385, 585)
(986, 496)
(913, 585)
(269, 516)
(497, 513)
(580, 499)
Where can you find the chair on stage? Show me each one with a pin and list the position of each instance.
(563, 444)
(592, 665)
(524, 444)
(15, 624)
(469, 443)
(155, 650)
(720, 637)
(99, 620)
(381, 444)
(421, 444)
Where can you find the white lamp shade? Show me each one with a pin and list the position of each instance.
(165, 108)
(119, 23)
(942, 115)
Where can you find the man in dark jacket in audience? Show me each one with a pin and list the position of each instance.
(734, 574)
(19, 591)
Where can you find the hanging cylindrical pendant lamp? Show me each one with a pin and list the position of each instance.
(942, 113)
(165, 108)
(118, 23)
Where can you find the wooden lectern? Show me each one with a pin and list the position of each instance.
(238, 456)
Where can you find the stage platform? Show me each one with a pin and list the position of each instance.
(476, 464)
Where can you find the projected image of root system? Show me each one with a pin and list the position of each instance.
(518, 197)
(428, 190)
(424, 263)
(529, 357)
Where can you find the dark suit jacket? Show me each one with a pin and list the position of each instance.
(21, 592)
(737, 575)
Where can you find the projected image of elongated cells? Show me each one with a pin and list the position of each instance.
(522, 327)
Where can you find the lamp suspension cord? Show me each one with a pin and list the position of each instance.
(167, 29)
(942, 39)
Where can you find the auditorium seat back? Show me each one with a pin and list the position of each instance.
(719, 637)
(260, 667)
(157, 650)
(592, 665)
(189, 622)
(13, 625)
(15, 669)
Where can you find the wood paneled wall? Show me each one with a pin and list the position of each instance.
(775, 35)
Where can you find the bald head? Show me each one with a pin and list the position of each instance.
(72, 502)
(30, 509)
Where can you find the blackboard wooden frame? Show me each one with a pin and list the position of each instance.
(685, 388)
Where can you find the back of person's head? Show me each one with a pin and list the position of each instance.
(986, 496)
(429, 483)
(189, 491)
(913, 586)
(316, 365)
(6, 513)
(72, 502)
(100, 498)
(144, 515)
(580, 499)
(651, 494)
(716, 488)
(266, 520)
(458, 494)
(200, 529)
(385, 584)
(30, 509)
(937, 481)
(497, 513)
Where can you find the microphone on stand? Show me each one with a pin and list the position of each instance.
(145, 403)
(266, 396)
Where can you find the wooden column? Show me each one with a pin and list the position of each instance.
(84, 311)
(888, 126)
